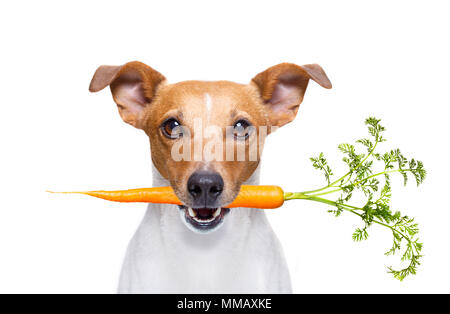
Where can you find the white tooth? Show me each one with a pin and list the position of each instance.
(204, 220)
(191, 212)
(217, 212)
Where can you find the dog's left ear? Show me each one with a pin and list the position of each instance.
(283, 86)
(133, 86)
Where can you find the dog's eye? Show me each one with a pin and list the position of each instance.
(171, 128)
(241, 129)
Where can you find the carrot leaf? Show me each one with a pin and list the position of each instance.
(375, 187)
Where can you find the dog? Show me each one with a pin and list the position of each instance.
(202, 246)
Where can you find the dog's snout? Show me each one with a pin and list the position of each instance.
(205, 188)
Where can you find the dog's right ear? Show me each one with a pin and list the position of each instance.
(133, 86)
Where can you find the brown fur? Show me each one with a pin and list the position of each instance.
(291, 75)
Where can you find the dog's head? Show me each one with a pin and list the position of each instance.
(206, 138)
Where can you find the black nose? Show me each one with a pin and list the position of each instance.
(205, 188)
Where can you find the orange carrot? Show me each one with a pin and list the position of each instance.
(145, 195)
(253, 196)
(259, 196)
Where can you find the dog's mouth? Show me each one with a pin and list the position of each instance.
(203, 219)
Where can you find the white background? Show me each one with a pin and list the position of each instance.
(387, 59)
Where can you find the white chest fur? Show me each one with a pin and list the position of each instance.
(243, 256)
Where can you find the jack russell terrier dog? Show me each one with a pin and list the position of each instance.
(204, 247)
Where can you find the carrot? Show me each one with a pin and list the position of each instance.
(253, 196)
(145, 195)
(259, 196)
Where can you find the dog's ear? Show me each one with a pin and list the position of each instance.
(282, 88)
(133, 86)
